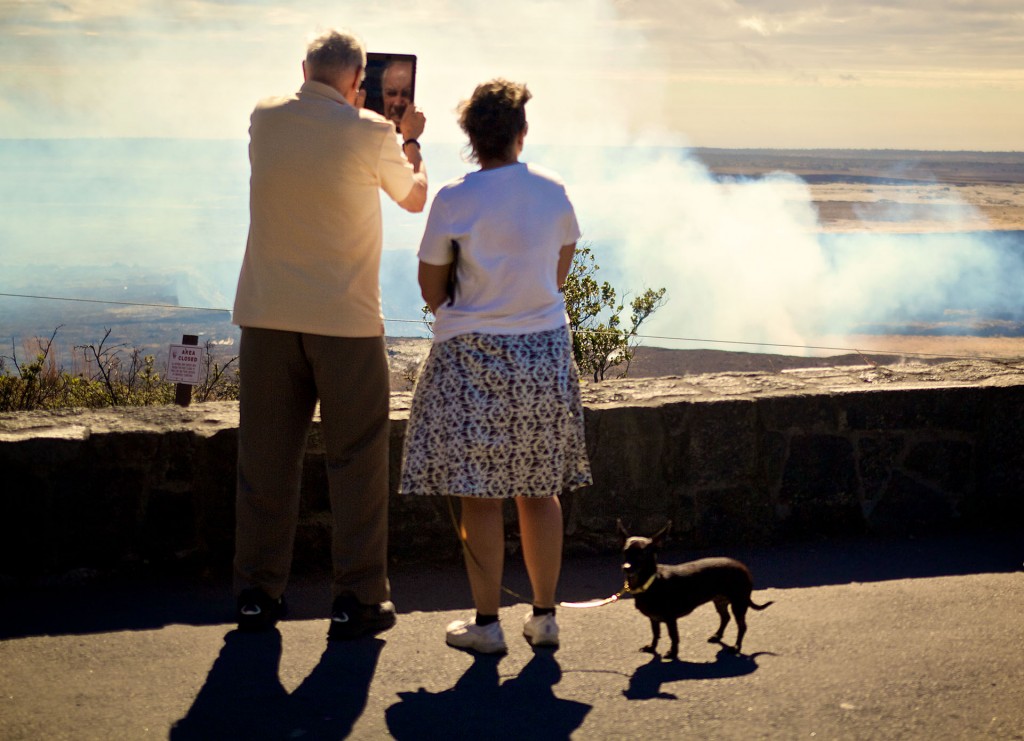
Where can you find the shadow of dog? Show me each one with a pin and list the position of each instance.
(646, 682)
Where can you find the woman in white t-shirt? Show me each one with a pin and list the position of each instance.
(496, 413)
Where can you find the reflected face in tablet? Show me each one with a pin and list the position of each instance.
(396, 90)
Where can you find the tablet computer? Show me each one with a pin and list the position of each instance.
(390, 84)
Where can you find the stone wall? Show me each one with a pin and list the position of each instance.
(731, 458)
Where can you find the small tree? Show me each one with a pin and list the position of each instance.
(35, 384)
(217, 384)
(110, 370)
(600, 341)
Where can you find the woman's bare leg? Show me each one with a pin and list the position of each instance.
(540, 523)
(483, 528)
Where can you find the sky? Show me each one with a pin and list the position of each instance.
(905, 74)
(742, 261)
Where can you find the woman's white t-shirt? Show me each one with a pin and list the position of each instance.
(510, 224)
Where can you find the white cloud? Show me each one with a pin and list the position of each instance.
(755, 24)
(600, 69)
(856, 35)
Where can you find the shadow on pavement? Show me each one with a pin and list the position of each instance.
(480, 705)
(646, 682)
(243, 696)
(875, 559)
(145, 604)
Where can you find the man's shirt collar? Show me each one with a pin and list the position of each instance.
(312, 87)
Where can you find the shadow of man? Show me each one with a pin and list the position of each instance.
(481, 706)
(243, 696)
(645, 684)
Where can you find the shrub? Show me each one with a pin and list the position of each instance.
(600, 341)
(114, 375)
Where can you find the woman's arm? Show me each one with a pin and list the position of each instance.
(434, 284)
(565, 263)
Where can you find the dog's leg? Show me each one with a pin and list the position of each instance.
(673, 633)
(655, 635)
(739, 609)
(722, 605)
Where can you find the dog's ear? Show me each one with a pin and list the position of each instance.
(659, 537)
(623, 535)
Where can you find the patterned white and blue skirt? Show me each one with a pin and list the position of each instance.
(497, 416)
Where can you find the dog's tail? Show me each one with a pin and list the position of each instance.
(761, 607)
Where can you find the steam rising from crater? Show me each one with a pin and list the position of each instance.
(744, 260)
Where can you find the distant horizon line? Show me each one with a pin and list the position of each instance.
(551, 144)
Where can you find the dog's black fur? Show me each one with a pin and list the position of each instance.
(676, 591)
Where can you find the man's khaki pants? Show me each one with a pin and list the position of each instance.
(282, 374)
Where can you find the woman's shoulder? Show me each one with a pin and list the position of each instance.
(541, 179)
(484, 183)
(540, 172)
(452, 188)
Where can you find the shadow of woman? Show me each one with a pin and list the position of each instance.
(645, 684)
(481, 706)
(243, 696)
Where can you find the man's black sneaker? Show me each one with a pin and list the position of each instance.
(257, 611)
(351, 619)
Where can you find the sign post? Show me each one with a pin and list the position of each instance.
(184, 363)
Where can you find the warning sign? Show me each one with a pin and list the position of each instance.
(184, 364)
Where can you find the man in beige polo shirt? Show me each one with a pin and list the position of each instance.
(308, 303)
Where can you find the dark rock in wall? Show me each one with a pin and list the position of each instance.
(731, 459)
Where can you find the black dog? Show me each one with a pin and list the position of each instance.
(666, 593)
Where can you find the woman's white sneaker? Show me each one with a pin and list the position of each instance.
(541, 630)
(485, 639)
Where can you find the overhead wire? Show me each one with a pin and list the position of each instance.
(694, 340)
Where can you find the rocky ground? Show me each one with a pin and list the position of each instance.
(891, 356)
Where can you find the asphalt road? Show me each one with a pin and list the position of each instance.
(866, 640)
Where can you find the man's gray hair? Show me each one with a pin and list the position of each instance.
(333, 53)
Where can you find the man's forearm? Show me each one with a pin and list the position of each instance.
(411, 149)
